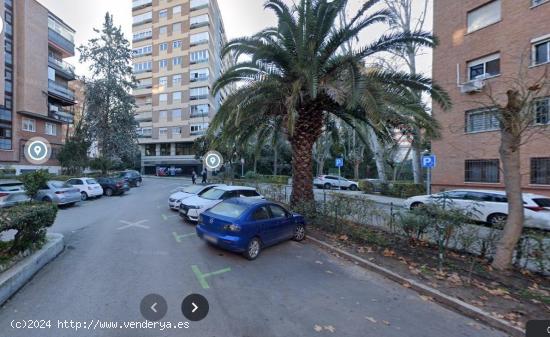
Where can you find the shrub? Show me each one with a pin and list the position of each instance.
(250, 175)
(366, 186)
(34, 181)
(402, 189)
(31, 221)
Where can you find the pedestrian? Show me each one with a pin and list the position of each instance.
(194, 177)
(204, 176)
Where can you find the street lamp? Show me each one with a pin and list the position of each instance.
(242, 167)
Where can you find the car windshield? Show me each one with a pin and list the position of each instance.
(192, 189)
(229, 210)
(11, 187)
(542, 202)
(91, 181)
(59, 184)
(213, 194)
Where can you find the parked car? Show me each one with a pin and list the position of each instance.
(490, 206)
(174, 201)
(89, 187)
(132, 177)
(113, 186)
(329, 182)
(59, 192)
(12, 193)
(248, 225)
(192, 207)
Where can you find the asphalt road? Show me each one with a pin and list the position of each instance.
(121, 249)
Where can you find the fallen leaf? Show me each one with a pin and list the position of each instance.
(371, 319)
(388, 252)
(477, 303)
(343, 237)
(455, 279)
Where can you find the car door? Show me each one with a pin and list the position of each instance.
(269, 230)
(76, 183)
(282, 219)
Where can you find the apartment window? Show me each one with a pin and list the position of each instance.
(199, 93)
(482, 171)
(163, 81)
(163, 98)
(150, 150)
(29, 125)
(200, 110)
(199, 74)
(176, 130)
(482, 120)
(200, 38)
(163, 30)
(200, 20)
(176, 114)
(163, 46)
(50, 129)
(51, 74)
(147, 132)
(142, 35)
(163, 14)
(177, 44)
(199, 129)
(177, 60)
(143, 18)
(198, 56)
(163, 115)
(163, 63)
(176, 80)
(176, 96)
(145, 50)
(165, 148)
(537, 2)
(163, 132)
(484, 16)
(143, 67)
(541, 52)
(176, 10)
(176, 28)
(542, 111)
(540, 171)
(484, 67)
(196, 4)
(184, 149)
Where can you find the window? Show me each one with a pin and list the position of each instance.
(176, 80)
(200, 110)
(143, 18)
(163, 115)
(184, 149)
(484, 68)
(177, 60)
(199, 93)
(199, 129)
(163, 132)
(145, 50)
(177, 44)
(163, 63)
(163, 46)
(165, 149)
(277, 212)
(29, 125)
(50, 129)
(163, 81)
(482, 171)
(176, 10)
(260, 214)
(143, 67)
(163, 14)
(482, 120)
(163, 98)
(200, 38)
(199, 75)
(198, 56)
(176, 28)
(198, 21)
(142, 35)
(150, 150)
(484, 16)
(176, 96)
(147, 132)
(176, 114)
(537, 2)
(540, 171)
(196, 4)
(541, 52)
(163, 30)
(542, 111)
(176, 130)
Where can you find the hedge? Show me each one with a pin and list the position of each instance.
(402, 189)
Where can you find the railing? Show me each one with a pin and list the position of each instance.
(60, 41)
(62, 66)
(200, 78)
(61, 90)
(136, 4)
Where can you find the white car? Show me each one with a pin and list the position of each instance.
(329, 182)
(192, 207)
(174, 201)
(12, 193)
(490, 206)
(88, 187)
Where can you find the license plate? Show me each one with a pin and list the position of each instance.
(210, 238)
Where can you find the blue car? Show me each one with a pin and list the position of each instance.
(246, 225)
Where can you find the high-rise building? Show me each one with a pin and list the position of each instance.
(35, 99)
(485, 45)
(176, 48)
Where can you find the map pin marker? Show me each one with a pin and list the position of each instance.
(212, 160)
(37, 149)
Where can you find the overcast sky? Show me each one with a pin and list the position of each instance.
(241, 18)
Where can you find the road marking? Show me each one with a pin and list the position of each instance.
(133, 224)
(164, 217)
(202, 277)
(178, 237)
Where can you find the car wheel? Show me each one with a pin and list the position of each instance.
(416, 205)
(109, 192)
(327, 186)
(83, 196)
(299, 233)
(497, 220)
(46, 199)
(353, 187)
(253, 249)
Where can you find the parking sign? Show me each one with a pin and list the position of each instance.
(339, 162)
(429, 161)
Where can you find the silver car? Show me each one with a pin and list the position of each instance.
(12, 193)
(328, 182)
(59, 193)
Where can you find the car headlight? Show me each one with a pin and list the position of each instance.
(232, 228)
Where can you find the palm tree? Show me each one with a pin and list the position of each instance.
(297, 72)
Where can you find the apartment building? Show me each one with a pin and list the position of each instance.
(484, 45)
(35, 100)
(176, 47)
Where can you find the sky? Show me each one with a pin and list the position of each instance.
(241, 18)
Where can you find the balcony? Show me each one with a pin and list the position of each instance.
(199, 78)
(61, 43)
(198, 4)
(62, 68)
(144, 117)
(61, 115)
(194, 25)
(139, 4)
(61, 92)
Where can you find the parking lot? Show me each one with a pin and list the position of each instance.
(120, 249)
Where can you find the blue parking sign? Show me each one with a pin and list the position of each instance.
(429, 161)
(339, 162)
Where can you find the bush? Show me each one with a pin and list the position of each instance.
(366, 186)
(250, 175)
(31, 221)
(402, 189)
(34, 181)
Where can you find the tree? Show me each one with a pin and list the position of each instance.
(297, 71)
(73, 156)
(34, 181)
(110, 108)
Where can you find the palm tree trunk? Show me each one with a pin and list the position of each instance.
(378, 153)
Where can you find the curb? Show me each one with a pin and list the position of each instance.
(446, 300)
(17, 276)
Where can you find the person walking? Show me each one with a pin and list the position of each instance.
(194, 177)
(204, 176)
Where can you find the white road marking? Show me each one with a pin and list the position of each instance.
(133, 224)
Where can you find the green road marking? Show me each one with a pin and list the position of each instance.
(182, 236)
(164, 217)
(202, 277)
